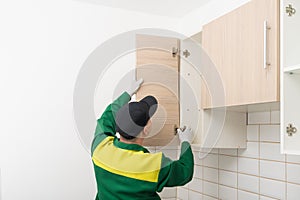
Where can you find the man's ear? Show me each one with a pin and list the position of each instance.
(146, 130)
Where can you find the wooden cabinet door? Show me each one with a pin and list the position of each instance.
(159, 68)
(236, 43)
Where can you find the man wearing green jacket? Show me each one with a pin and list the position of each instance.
(124, 169)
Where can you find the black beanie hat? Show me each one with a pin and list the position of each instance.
(133, 117)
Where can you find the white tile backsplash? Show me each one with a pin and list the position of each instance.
(248, 166)
(275, 117)
(259, 118)
(271, 151)
(243, 195)
(248, 183)
(210, 174)
(205, 197)
(270, 133)
(273, 170)
(272, 188)
(228, 163)
(293, 191)
(168, 193)
(211, 160)
(197, 159)
(293, 173)
(194, 196)
(228, 178)
(227, 193)
(228, 152)
(267, 198)
(198, 171)
(259, 172)
(196, 185)
(293, 159)
(252, 132)
(252, 150)
(182, 193)
(210, 189)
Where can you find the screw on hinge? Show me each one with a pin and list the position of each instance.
(290, 10)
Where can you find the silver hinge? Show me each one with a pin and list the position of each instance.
(290, 130)
(175, 52)
(290, 10)
(186, 53)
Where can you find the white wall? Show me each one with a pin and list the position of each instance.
(192, 23)
(42, 46)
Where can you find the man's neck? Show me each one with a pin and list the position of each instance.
(138, 141)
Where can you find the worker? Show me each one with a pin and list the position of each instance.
(124, 169)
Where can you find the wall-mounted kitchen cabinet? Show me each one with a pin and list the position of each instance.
(165, 65)
(244, 46)
(290, 76)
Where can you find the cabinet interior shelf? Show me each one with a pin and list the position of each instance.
(295, 69)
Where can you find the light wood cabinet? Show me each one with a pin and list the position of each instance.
(244, 46)
(159, 69)
(290, 77)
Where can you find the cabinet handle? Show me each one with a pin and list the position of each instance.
(266, 28)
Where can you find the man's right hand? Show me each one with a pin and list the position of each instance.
(185, 135)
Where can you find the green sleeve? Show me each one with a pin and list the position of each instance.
(106, 124)
(179, 172)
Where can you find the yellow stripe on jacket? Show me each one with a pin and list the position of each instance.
(128, 163)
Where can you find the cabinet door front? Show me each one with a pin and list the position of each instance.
(244, 46)
(159, 68)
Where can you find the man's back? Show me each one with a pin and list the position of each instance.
(129, 171)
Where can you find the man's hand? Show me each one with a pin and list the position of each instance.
(185, 135)
(134, 87)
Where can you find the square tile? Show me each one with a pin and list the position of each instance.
(228, 163)
(248, 183)
(293, 173)
(210, 189)
(252, 150)
(196, 185)
(272, 188)
(210, 174)
(228, 178)
(270, 133)
(252, 132)
(271, 151)
(242, 195)
(293, 191)
(259, 118)
(248, 166)
(274, 170)
(211, 160)
(275, 117)
(227, 193)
